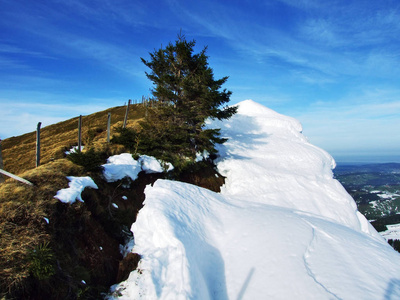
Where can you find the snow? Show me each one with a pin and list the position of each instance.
(281, 228)
(150, 164)
(73, 150)
(120, 166)
(123, 165)
(392, 232)
(384, 196)
(202, 156)
(76, 187)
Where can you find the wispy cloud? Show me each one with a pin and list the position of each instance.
(367, 121)
(77, 31)
(111, 55)
(9, 63)
(128, 12)
(345, 39)
(10, 49)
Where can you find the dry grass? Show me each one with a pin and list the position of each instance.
(19, 153)
(22, 212)
(23, 208)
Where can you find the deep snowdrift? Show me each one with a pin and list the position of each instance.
(282, 227)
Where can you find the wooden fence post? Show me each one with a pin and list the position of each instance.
(15, 177)
(126, 113)
(108, 127)
(80, 133)
(38, 144)
(1, 165)
(146, 101)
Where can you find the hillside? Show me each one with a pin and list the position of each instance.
(281, 228)
(275, 225)
(19, 152)
(55, 250)
(374, 187)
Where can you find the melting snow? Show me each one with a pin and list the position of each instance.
(76, 187)
(123, 165)
(73, 150)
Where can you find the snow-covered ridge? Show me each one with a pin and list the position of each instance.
(282, 227)
(270, 161)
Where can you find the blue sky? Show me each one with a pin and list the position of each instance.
(334, 65)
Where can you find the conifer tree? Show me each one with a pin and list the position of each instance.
(186, 94)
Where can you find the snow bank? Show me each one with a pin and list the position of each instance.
(268, 160)
(282, 227)
(76, 187)
(123, 165)
(196, 244)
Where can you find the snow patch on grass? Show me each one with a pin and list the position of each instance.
(76, 187)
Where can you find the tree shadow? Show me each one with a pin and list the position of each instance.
(393, 290)
(213, 272)
(205, 263)
(245, 135)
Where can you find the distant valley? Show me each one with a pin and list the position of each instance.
(376, 190)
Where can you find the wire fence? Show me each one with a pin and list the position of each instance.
(145, 101)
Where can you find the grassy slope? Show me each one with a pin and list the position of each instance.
(76, 232)
(19, 152)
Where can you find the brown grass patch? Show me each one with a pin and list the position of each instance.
(19, 153)
(22, 212)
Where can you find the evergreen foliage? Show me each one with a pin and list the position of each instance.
(91, 160)
(395, 244)
(127, 137)
(42, 262)
(186, 94)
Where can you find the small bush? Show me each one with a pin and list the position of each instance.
(90, 160)
(127, 137)
(41, 261)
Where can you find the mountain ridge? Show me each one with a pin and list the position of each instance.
(281, 228)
